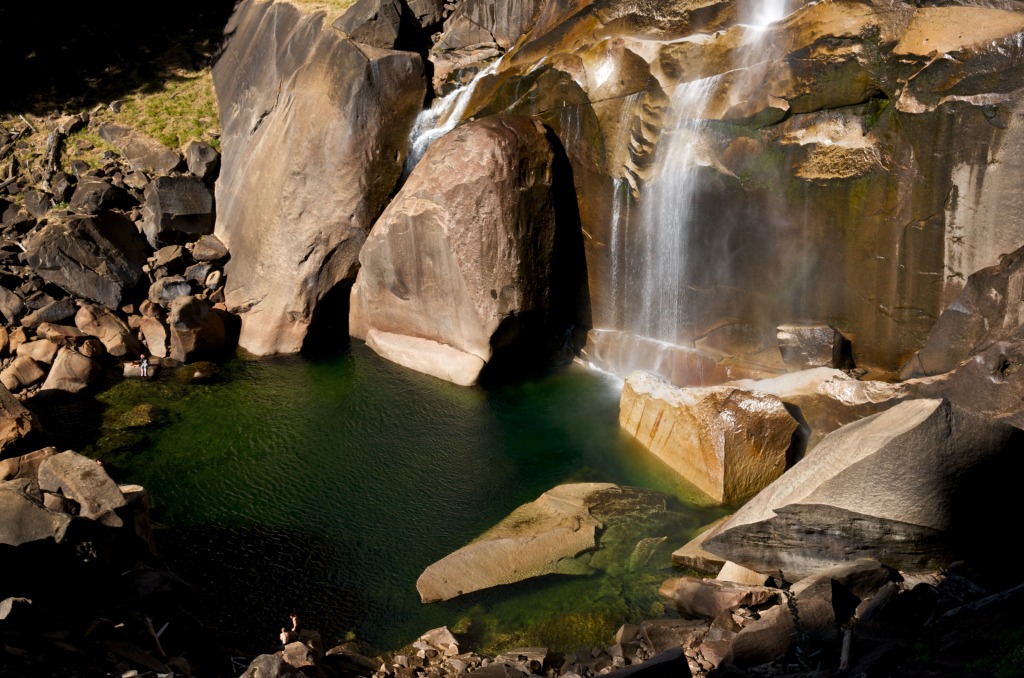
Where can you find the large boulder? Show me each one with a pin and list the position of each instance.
(99, 258)
(177, 209)
(24, 520)
(20, 373)
(730, 442)
(197, 331)
(72, 372)
(141, 152)
(280, 76)
(827, 399)
(16, 421)
(84, 481)
(462, 265)
(377, 23)
(557, 533)
(914, 487)
(117, 338)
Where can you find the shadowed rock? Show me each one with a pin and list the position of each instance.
(197, 331)
(913, 487)
(176, 209)
(84, 481)
(94, 257)
(25, 520)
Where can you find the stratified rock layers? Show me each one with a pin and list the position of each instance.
(303, 107)
(730, 442)
(459, 266)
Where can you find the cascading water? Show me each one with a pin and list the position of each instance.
(442, 116)
(653, 248)
(658, 251)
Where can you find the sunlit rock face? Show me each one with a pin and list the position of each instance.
(846, 163)
(315, 129)
(466, 264)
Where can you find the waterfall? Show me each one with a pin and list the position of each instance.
(767, 12)
(443, 115)
(657, 256)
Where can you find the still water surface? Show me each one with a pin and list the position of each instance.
(326, 487)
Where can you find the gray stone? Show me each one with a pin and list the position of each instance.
(97, 258)
(93, 195)
(53, 312)
(372, 22)
(24, 520)
(197, 272)
(913, 487)
(807, 346)
(141, 152)
(37, 203)
(203, 161)
(166, 290)
(176, 209)
(85, 481)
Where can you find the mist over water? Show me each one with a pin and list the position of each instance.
(656, 256)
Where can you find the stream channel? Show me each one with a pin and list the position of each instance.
(325, 487)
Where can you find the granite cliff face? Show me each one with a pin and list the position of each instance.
(736, 165)
(315, 129)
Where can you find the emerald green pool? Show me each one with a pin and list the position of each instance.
(325, 487)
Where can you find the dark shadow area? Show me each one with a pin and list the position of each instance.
(328, 331)
(91, 53)
(531, 343)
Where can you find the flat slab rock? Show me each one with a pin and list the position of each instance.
(572, 529)
(538, 538)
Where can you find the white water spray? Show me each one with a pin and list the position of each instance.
(443, 115)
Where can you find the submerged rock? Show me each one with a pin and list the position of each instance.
(554, 534)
